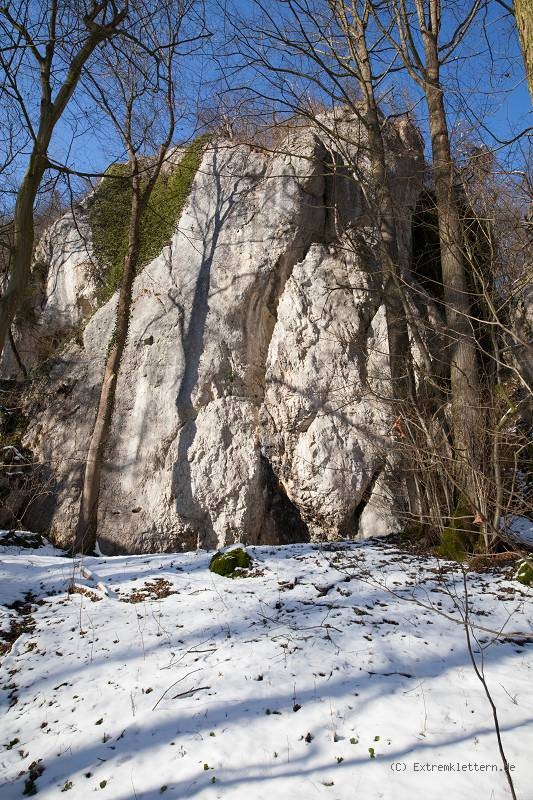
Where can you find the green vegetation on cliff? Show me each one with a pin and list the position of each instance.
(109, 215)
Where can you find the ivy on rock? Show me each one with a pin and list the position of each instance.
(110, 208)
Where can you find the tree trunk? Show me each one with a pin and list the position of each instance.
(397, 329)
(464, 378)
(49, 115)
(523, 10)
(85, 537)
(19, 273)
(402, 380)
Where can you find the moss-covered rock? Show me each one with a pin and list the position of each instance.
(109, 214)
(461, 537)
(524, 573)
(110, 208)
(231, 563)
(456, 545)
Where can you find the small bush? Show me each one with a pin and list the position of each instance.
(232, 562)
(524, 573)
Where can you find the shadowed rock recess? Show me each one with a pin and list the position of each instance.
(248, 403)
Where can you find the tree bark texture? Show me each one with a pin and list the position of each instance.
(85, 537)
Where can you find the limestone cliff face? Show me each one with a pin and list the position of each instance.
(248, 403)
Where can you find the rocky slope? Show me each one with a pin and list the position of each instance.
(251, 403)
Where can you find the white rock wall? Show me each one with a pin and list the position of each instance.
(248, 399)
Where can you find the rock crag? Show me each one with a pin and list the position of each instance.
(252, 399)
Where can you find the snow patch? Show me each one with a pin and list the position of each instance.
(314, 677)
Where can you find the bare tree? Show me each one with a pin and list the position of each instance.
(353, 23)
(136, 88)
(311, 55)
(419, 41)
(46, 44)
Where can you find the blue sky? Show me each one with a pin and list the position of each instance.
(488, 99)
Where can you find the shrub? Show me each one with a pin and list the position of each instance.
(524, 573)
(230, 563)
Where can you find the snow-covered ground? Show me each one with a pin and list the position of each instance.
(329, 672)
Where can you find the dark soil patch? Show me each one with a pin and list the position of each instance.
(85, 592)
(152, 590)
(23, 623)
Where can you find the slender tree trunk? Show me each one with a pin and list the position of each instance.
(16, 354)
(85, 537)
(464, 377)
(20, 268)
(402, 382)
(397, 329)
(523, 10)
